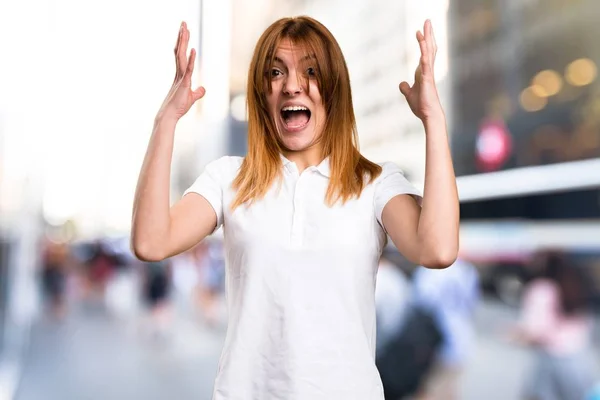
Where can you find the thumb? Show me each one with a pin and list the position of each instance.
(198, 93)
(404, 88)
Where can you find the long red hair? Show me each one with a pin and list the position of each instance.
(350, 171)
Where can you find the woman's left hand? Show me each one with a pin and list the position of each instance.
(422, 97)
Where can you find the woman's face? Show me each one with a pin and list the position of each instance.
(298, 112)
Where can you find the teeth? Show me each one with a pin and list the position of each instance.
(294, 108)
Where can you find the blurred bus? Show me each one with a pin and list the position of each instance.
(509, 216)
(525, 134)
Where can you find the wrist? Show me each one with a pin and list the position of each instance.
(165, 121)
(435, 121)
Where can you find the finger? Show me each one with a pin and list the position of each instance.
(190, 68)
(428, 40)
(178, 38)
(185, 37)
(420, 36)
(176, 50)
(435, 47)
(404, 88)
(425, 61)
(198, 93)
(423, 46)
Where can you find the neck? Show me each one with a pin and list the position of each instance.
(305, 158)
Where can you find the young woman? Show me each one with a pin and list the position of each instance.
(305, 216)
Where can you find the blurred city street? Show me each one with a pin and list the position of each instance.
(95, 356)
(82, 317)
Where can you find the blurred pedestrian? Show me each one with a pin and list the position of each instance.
(451, 297)
(305, 215)
(186, 278)
(392, 295)
(54, 276)
(101, 267)
(556, 321)
(212, 282)
(157, 290)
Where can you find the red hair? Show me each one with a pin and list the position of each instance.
(350, 171)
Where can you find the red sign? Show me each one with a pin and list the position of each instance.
(494, 145)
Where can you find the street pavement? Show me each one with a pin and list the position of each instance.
(95, 355)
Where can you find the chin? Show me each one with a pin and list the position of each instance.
(297, 143)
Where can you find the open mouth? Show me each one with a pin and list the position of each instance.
(295, 118)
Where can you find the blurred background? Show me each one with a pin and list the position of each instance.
(80, 84)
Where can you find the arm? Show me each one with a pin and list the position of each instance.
(158, 230)
(429, 235)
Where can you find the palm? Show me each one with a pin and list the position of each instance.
(181, 98)
(422, 96)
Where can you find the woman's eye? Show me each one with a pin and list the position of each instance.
(311, 71)
(275, 72)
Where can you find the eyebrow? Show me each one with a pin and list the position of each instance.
(306, 57)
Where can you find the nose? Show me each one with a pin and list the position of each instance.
(292, 85)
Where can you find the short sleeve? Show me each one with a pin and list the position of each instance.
(210, 185)
(389, 184)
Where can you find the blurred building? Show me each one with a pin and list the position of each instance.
(525, 94)
(526, 128)
(379, 41)
(20, 231)
(249, 20)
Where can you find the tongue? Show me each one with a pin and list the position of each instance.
(296, 119)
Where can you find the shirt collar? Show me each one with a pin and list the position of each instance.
(324, 166)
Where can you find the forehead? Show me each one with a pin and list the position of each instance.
(290, 52)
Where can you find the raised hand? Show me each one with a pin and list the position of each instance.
(181, 97)
(423, 97)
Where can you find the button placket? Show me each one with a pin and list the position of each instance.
(298, 216)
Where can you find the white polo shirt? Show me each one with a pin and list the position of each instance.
(300, 284)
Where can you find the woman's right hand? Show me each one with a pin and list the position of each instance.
(181, 97)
